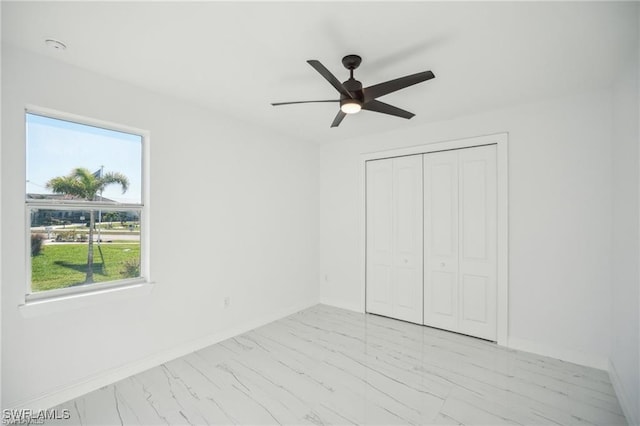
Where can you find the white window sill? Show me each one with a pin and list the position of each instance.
(35, 308)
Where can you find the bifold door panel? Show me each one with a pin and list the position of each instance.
(379, 237)
(441, 240)
(394, 238)
(477, 241)
(460, 241)
(446, 200)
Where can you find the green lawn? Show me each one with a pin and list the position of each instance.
(65, 265)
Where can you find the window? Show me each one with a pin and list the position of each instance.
(85, 205)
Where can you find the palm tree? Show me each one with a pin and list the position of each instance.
(83, 184)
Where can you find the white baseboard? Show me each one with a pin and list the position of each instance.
(630, 413)
(97, 381)
(355, 307)
(563, 354)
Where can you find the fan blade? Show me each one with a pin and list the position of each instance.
(302, 102)
(378, 106)
(329, 77)
(390, 86)
(336, 121)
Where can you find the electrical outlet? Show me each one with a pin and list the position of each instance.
(227, 302)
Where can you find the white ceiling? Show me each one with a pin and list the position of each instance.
(240, 56)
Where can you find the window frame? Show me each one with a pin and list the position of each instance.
(143, 208)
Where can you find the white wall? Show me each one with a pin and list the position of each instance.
(1, 404)
(559, 219)
(625, 277)
(234, 212)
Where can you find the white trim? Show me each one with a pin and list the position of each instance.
(563, 354)
(70, 391)
(502, 162)
(354, 307)
(637, 318)
(145, 231)
(623, 397)
(1, 204)
(81, 119)
(49, 305)
(81, 205)
(501, 140)
(437, 146)
(27, 252)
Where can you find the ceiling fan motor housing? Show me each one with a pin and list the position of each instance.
(354, 87)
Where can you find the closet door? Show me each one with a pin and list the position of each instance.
(460, 241)
(407, 238)
(441, 240)
(379, 237)
(394, 238)
(478, 246)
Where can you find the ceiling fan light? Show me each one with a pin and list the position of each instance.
(351, 107)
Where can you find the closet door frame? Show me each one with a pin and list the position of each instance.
(501, 141)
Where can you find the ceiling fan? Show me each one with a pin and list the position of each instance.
(353, 97)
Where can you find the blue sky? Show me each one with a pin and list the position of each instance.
(56, 147)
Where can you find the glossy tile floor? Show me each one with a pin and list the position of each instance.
(326, 366)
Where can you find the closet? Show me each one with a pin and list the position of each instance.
(431, 225)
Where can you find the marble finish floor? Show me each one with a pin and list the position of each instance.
(326, 365)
